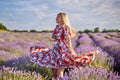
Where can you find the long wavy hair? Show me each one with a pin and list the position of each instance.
(66, 22)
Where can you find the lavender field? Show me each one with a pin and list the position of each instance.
(15, 64)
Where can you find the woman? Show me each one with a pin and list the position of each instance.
(62, 55)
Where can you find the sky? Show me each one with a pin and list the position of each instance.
(41, 14)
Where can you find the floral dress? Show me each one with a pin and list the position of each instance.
(59, 56)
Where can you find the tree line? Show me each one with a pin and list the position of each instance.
(3, 27)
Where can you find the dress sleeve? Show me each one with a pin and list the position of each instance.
(54, 31)
(57, 33)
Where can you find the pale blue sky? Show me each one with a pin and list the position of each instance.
(41, 14)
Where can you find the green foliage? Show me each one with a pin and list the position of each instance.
(14, 30)
(2, 27)
(79, 31)
(46, 31)
(112, 30)
(50, 39)
(96, 30)
(2, 60)
(19, 30)
(102, 63)
(104, 30)
(33, 30)
(13, 51)
(45, 72)
(13, 76)
(87, 31)
(107, 37)
(24, 30)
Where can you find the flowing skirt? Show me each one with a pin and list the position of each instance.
(46, 57)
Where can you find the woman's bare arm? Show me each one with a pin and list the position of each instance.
(70, 46)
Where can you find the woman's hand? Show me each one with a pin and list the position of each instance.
(73, 51)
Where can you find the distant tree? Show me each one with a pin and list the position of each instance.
(87, 31)
(46, 31)
(79, 31)
(2, 27)
(104, 30)
(117, 30)
(14, 31)
(24, 31)
(96, 30)
(33, 30)
(19, 30)
(111, 30)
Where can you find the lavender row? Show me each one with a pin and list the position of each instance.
(110, 36)
(114, 34)
(111, 47)
(84, 44)
(12, 73)
(92, 73)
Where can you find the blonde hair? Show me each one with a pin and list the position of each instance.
(66, 22)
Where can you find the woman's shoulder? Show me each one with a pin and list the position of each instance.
(66, 26)
(56, 27)
(67, 29)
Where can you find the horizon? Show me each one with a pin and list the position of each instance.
(52, 29)
(40, 15)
